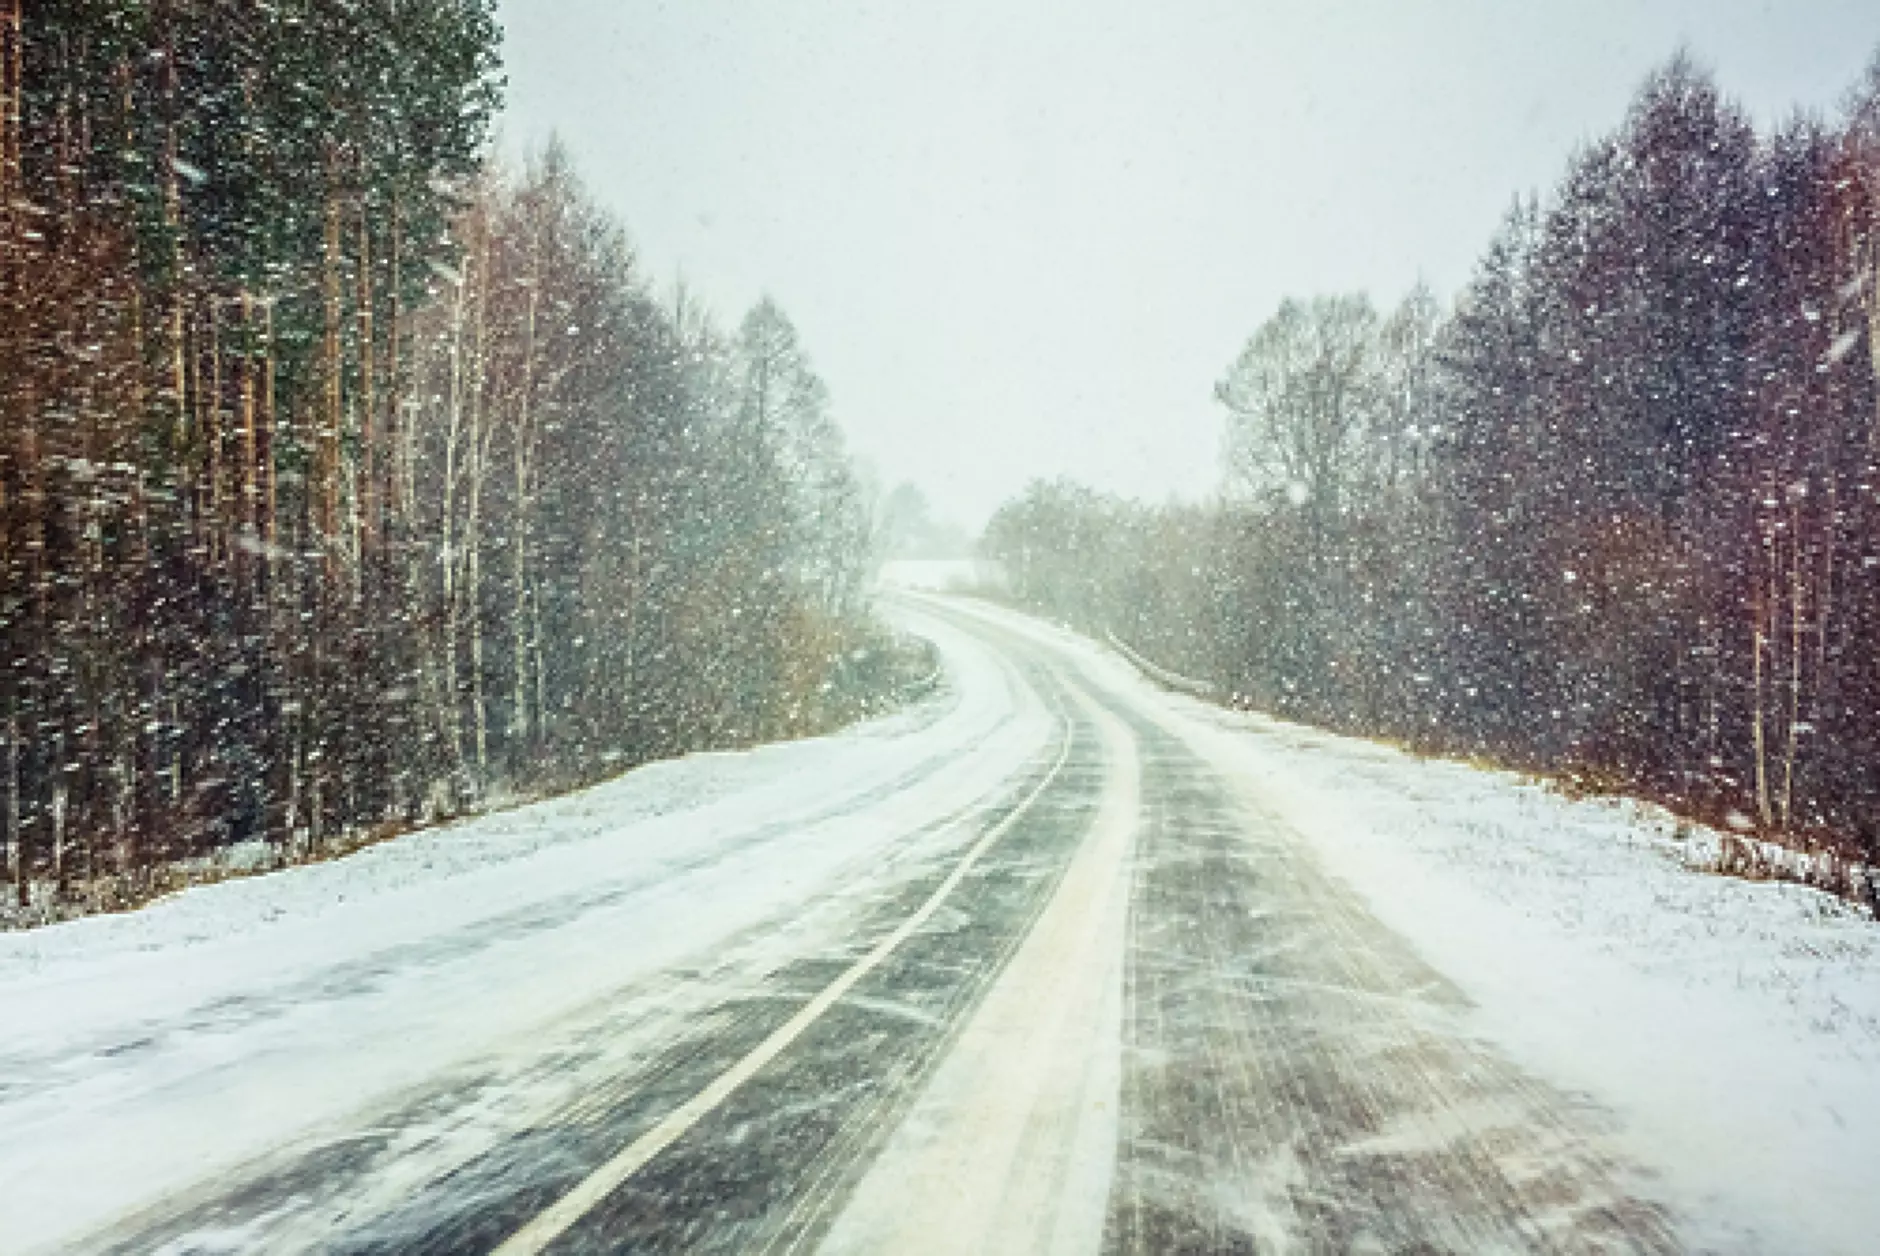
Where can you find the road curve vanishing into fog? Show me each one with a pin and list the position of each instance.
(1027, 971)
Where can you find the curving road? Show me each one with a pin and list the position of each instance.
(1030, 970)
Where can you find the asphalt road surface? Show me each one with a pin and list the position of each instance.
(1100, 1001)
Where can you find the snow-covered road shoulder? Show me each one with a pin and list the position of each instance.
(1733, 1027)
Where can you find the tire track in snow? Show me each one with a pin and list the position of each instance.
(1295, 1079)
(1010, 1145)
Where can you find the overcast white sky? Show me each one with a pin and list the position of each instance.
(1024, 238)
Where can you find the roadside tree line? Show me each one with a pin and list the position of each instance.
(348, 479)
(1614, 515)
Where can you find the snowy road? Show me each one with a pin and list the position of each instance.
(1047, 965)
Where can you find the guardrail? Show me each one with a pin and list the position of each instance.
(1159, 674)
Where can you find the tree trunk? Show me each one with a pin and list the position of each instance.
(1758, 737)
(173, 219)
(366, 503)
(16, 832)
(210, 404)
(1795, 665)
(473, 526)
(12, 91)
(250, 506)
(1869, 287)
(396, 449)
(520, 548)
(447, 696)
(272, 427)
(327, 431)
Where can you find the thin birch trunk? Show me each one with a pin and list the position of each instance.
(1787, 799)
(1871, 297)
(1824, 597)
(449, 716)
(173, 219)
(541, 666)
(523, 441)
(211, 426)
(395, 446)
(251, 443)
(473, 530)
(1759, 739)
(16, 833)
(326, 460)
(366, 501)
(272, 425)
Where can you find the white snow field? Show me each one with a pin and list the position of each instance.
(1730, 1031)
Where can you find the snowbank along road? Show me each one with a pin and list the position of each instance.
(1056, 962)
